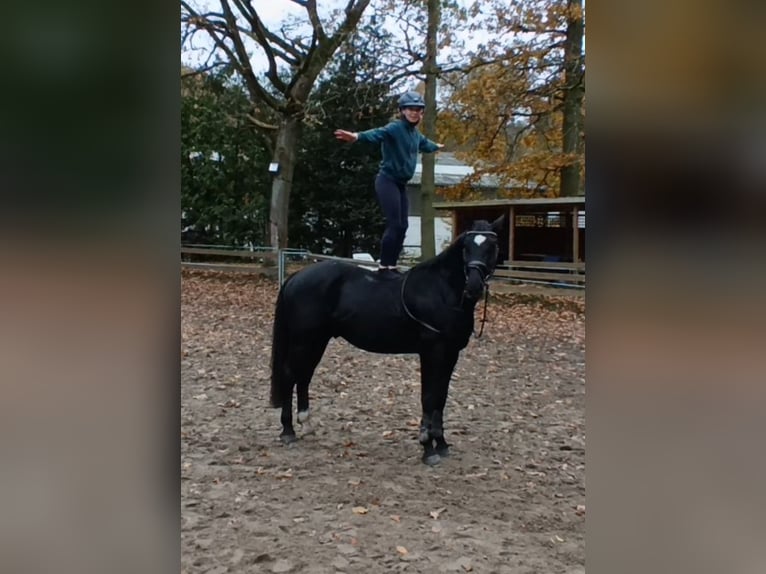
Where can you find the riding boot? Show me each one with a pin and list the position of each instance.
(384, 271)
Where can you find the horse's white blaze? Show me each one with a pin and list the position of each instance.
(479, 239)
(303, 416)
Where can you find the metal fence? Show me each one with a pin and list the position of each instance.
(258, 259)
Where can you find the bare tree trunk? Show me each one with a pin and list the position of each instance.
(284, 157)
(573, 96)
(427, 181)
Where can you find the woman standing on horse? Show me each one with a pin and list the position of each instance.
(400, 141)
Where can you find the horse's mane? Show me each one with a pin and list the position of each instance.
(454, 247)
(481, 225)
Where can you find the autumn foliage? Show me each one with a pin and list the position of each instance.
(506, 115)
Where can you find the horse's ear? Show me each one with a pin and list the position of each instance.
(497, 225)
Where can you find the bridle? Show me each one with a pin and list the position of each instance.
(480, 266)
(485, 273)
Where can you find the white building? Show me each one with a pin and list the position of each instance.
(448, 171)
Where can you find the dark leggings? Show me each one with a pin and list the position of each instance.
(392, 197)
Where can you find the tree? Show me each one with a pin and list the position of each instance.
(294, 62)
(516, 111)
(437, 26)
(428, 177)
(334, 208)
(573, 93)
(224, 185)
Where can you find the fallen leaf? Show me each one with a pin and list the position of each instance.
(476, 475)
(359, 510)
(402, 550)
(435, 513)
(395, 517)
(346, 549)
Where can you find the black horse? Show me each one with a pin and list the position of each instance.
(428, 310)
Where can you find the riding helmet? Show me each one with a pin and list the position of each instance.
(411, 100)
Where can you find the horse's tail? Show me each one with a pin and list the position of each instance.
(280, 381)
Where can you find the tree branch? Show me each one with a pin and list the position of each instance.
(272, 74)
(266, 37)
(322, 48)
(238, 57)
(261, 124)
(202, 70)
(316, 24)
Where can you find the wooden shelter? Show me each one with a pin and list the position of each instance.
(541, 239)
(539, 229)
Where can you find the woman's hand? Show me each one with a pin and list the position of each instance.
(345, 136)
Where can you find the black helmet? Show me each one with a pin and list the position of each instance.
(411, 100)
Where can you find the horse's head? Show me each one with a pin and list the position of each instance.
(480, 250)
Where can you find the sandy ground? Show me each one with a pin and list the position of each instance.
(353, 495)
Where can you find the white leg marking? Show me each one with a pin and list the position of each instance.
(303, 416)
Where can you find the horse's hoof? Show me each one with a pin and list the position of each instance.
(288, 438)
(431, 459)
(443, 452)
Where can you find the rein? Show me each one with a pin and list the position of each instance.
(484, 315)
(485, 279)
(410, 315)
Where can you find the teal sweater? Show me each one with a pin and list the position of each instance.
(399, 142)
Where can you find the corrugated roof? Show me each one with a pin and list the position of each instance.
(546, 201)
(448, 171)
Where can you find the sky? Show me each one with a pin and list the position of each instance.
(273, 12)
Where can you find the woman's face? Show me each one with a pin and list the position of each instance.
(413, 115)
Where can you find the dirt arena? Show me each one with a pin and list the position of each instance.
(353, 495)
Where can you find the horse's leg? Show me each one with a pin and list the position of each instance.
(429, 383)
(436, 366)
(446, 366)
(286, 418)
(304, 359)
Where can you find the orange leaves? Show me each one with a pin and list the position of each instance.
(505, 113)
